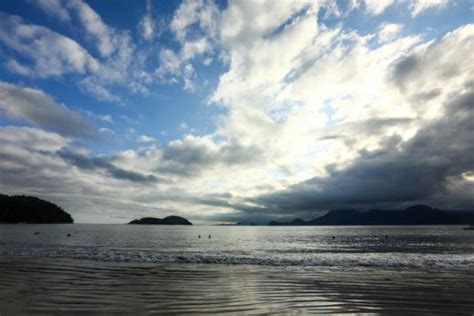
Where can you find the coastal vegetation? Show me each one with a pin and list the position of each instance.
(30, 209)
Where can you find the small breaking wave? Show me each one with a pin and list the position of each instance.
(327, 259)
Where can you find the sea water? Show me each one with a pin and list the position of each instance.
(434, 247)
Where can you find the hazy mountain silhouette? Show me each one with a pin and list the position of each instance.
(169, 220)
(29, 209)
(413, 215)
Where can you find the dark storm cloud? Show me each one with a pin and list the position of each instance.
(419, 169)
(101, 163)
(37, 108)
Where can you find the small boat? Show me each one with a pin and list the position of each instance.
(469, 228)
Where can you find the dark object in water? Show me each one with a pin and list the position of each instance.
(170, 220)
(209, 236)
(199, 236)
(69, 235)
(469, 228)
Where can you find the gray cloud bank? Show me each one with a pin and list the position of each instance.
(102, 163)
(39, 109)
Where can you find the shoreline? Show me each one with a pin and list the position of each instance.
(59, 285)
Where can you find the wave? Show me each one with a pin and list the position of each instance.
(326, 259)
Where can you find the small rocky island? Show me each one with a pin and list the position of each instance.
(32, 210)
(169, 220)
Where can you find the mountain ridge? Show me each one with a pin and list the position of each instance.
(413, 215)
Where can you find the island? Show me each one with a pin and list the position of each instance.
(32, 210)
(413, 215)
(169, 220)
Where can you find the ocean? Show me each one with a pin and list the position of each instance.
(239, 269)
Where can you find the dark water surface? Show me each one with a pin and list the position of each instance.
(153, 269)
(389, 246)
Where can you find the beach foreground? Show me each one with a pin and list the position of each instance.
(59, 285)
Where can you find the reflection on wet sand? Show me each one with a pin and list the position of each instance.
(42, 285)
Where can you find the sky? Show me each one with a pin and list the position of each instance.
(227, 111)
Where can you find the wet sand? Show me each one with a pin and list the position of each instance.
(50, 286)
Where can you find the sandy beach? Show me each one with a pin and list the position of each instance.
(51, 285)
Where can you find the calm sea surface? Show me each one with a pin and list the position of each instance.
(134, 269)
(388, 246)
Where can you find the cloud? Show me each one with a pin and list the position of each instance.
(426, 166)
(101, 163)
(257, 61)
(31, 163)
(436, 67)
(104, 37)
(36, 107)
(96, 87)
(235, 31)
(326, 102)
(122, 64)
(145, 139)
(310, 113)
(418, 6)
(51, 54)
(16, 67)
(376, 7)
(192, 156)
(388, 31)
(32, 138)
(194, 26)
(53, 8)
(202, 13)
(147, 27)
(25, 160)
(398, 173)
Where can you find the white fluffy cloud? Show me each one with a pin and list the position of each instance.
(202, 13)
(53, 8)
(194, 26)
(52, 54)
(117, 62)
(418, 6)
(388, 31)
(105, 38)
(145, 139)
(377, 6)
(147, 27)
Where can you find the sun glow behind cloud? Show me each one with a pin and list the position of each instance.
(296, 108)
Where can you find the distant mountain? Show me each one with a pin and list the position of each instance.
(413, 215)
(170, 220)
(242, 224)
(245, 224)
(29, 209)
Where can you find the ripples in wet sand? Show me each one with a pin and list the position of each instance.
(51, 286)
